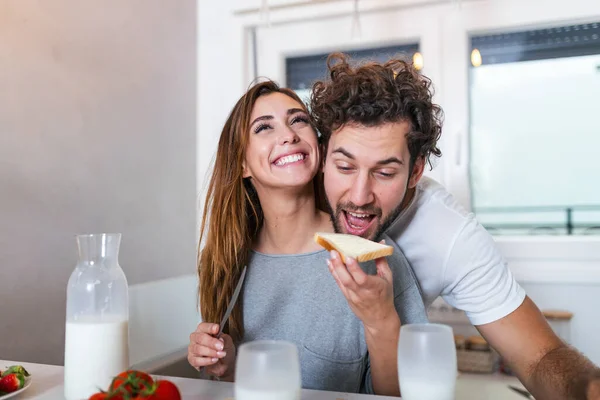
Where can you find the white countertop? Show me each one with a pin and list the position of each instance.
(47, 384)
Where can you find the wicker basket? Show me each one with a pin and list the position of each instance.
(485, 362)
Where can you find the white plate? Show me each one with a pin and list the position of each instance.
(9, 395)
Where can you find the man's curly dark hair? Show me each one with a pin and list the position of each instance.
(372, 94)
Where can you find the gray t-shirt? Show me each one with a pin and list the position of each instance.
(295, 298)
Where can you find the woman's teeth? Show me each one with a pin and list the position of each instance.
(289, 159)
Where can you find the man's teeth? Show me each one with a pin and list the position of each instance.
(359, 215)
(289, 159)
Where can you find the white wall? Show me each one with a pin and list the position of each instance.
(162, 314)
(97, 133)
(221, 80)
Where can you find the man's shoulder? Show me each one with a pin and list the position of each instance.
(433, 200)
(436, 228)
(439, 210)
(433, 214)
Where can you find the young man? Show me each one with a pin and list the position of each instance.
(380, 129)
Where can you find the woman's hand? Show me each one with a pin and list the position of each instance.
(216, 355)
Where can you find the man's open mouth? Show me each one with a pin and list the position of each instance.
(357, 223)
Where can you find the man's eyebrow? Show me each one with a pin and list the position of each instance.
(343, 151)
(390, 161)
(386, 161)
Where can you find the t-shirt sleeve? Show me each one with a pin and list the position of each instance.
(477, 279)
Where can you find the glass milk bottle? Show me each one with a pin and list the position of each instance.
(96, 339)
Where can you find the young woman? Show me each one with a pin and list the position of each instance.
(262, 211)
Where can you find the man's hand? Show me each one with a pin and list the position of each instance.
(593, 390)
(371, 297)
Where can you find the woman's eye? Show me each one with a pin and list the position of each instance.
(300, 118)
(261, 127)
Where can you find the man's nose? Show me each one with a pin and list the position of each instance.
(361, 192)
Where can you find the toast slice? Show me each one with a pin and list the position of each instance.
(353, 246)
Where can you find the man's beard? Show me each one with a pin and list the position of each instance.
(336, 216)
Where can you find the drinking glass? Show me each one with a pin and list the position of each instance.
(427, 367)
(267, 370)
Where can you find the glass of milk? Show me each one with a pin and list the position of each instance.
(267, 370)
(427, 367)
(96, 337)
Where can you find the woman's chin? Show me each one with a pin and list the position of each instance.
(300, 185)
(294, 179)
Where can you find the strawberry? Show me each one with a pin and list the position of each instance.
(16, 369)
(11, 382)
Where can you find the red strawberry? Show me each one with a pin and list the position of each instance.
(11, 383)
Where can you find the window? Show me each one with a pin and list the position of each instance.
(301, 72)
(534, 130)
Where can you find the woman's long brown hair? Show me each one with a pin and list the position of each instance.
(232, 214)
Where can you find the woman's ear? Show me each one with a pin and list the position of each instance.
(245, 172)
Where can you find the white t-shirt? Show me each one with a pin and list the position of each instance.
(454, 256)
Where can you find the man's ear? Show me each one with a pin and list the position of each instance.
(417, 172)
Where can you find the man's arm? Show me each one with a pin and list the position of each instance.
(371, 298)
(547, 367)
(382, 344)
(477, 280)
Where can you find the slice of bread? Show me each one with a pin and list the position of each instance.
(353, 246)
